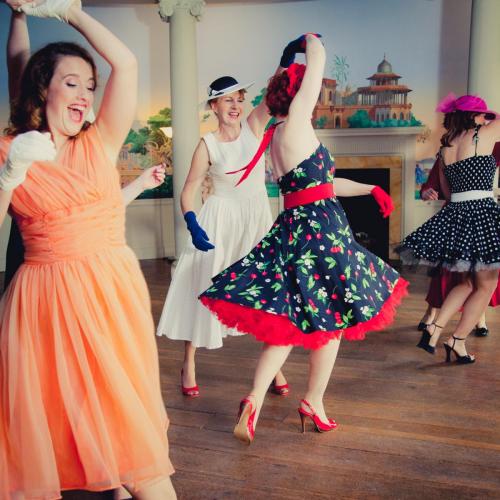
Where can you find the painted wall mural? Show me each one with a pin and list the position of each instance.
(382, 103)
(147, 145)
(422, 170)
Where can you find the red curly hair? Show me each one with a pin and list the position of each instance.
(279, 95)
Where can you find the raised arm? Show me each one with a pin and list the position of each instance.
(18, 50)
(259, 117)
(306, 98)
(118, 105)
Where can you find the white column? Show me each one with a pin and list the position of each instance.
(484, 53)
(182, 16)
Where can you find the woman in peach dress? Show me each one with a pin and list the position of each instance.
(80, 400)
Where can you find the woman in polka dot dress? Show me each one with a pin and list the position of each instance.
(464, 236)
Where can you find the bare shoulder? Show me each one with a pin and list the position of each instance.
(201, 148)
(201, 157)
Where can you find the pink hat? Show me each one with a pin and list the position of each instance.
(471, 103)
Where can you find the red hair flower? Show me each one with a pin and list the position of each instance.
(295, 75)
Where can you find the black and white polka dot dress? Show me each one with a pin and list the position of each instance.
(464, 235)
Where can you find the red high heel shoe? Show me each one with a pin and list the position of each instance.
(280, 390)
(190, 392)
(320, 425)
(244, 430)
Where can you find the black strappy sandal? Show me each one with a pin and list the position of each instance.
(426, 337)
(463, 360)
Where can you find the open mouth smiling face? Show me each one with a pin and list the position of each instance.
(70, 96)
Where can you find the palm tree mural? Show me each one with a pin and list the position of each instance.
(340, 69)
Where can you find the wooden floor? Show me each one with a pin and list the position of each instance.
(411, 426)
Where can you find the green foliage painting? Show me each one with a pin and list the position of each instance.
(148, 146)
(360, 119)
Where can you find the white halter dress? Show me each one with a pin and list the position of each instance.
(235, 219)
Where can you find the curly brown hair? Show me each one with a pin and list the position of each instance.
(28, 109)
(280, 92)
(455, 123)
(277, 98)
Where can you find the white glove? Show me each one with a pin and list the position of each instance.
(50, 8)
(24, 150)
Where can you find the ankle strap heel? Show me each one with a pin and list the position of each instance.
(467, 359)
(319, 424)
(425, 339)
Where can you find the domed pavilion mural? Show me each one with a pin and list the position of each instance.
(384, 102)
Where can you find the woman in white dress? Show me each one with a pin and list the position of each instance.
(231, 222)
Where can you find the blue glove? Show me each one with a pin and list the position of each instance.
(199, 237)
(297, 46)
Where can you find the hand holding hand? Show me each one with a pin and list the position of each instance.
(296, 46)
(153, 177)
(384, 201)
(430, 194)
(58, 9)
(198, 235)
(24, 150)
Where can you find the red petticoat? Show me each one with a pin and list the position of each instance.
(279, 330)
(441, 285)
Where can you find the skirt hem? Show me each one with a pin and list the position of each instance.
(138, 484)
(279, 330)
(409, 257)
(200, 345)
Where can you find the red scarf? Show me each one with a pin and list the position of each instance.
(295, 75)
(268, 135)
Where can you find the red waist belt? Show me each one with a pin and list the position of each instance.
(308, 195)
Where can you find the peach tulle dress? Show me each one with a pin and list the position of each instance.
(80, 400)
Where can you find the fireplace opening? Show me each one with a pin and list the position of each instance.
(367, 224)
